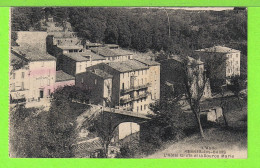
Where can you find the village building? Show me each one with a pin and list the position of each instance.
(231, 60)
(113, 54)
(134, 85)
(172, 74)
(128, 85)
(33, 74)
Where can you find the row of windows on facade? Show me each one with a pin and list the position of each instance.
(142, 72)
(23, 74)
(235, 70)
(230, 55)
(13, 86)
(231, 62)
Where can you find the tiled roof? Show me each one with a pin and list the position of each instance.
(219, 49)
(121, 52)
(94, 56)
(127, 66)
(106, 52)
(147, 61)
(79, 57)
(101, 73)
(62, 76)
(32, 54)
(84, 56)
(70, 47)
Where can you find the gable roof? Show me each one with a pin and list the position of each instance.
(84, 56)
(147, 61)
(127, 66)
(62, 76)
(32, 54)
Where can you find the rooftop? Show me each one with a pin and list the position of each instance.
(68, 47)
(62, 76)
(84, 56)
(121, 52)
(219, 49)
(62, 34)
(31, 54)
(106, 52)
(127, 66)
(101, 73)
(147, 61)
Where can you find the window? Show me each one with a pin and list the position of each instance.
(13, 75)
(49, 92)
(70, 51)
(154, 95)
(145, 80)
(144, 107)
(13, 87)
(236, 62)
(123, 86)
(137, 108)
(142, 82)
(22, 86)
(22, 74)
(123, 75)
(237, 55)
(141, 108)
(142, 72)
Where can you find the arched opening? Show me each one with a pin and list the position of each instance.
(126, 132)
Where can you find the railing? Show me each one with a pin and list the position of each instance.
(140, 96)
(134, 88)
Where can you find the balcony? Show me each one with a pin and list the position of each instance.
(137, 97)
(134, 88)
(141, 96)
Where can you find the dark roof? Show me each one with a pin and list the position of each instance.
(32, 54)
(101, 73)
(147, 61)
(127, 66)
(62, 76)
(219, 49)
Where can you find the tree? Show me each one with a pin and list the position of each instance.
(101, 124)
(235, 86)
(194, 81)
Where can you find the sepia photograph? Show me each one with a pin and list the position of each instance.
(128, 82)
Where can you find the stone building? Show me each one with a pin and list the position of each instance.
(230, 58)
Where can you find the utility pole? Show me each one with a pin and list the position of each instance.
(169, 25)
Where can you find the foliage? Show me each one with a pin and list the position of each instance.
(144, 28)
(41, 134)
(71, 93)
